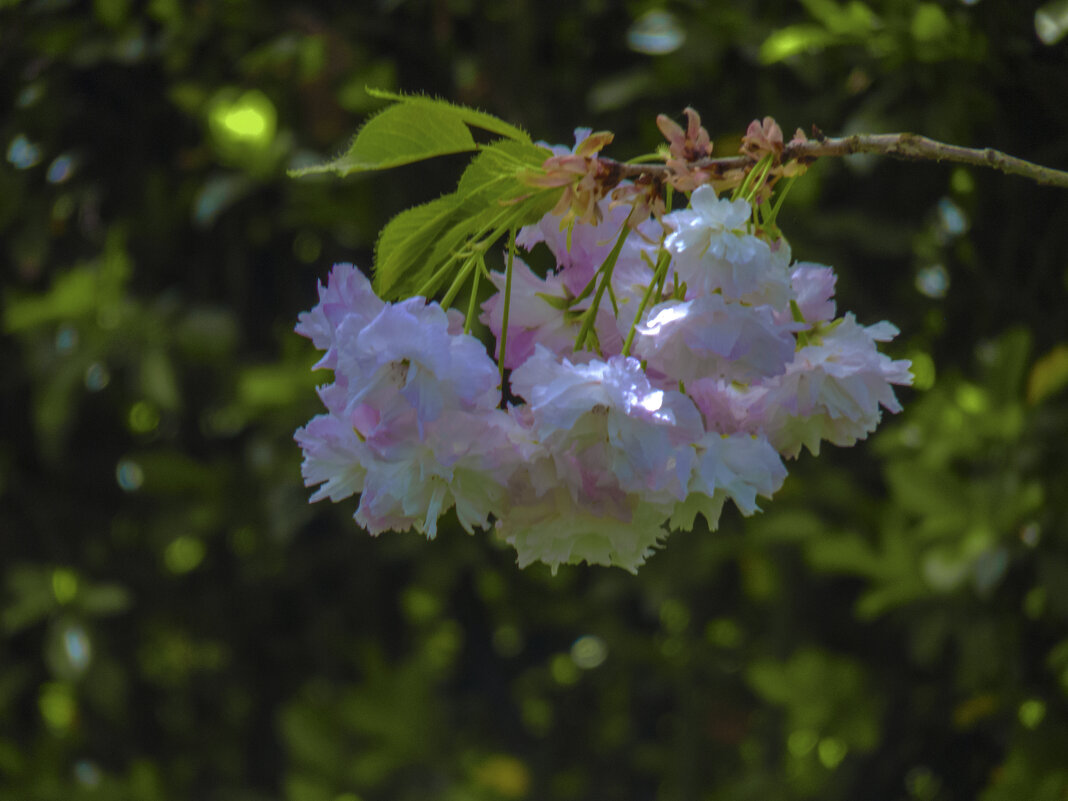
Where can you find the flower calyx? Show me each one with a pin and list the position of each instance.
(586, 179)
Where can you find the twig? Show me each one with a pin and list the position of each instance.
(904, 146)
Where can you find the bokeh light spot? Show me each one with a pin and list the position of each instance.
(22, 153)
(563, 670)
(961, 181)
(144, 418)
(420, 605)
(589, 651)
(246, 123)
(656, 33)
(61, 169)
(922, 784)
(66, 339)
(57, 706)
(503, 775)
(64, 584)
(129, 475)
(972, 399)
(951, 217)
(86, 773)
(1032, 712)
(801, 742)
(183, 554)
(1051, 22)
(77, 647)
(674, 616)
(831, 752)
(245, 120)
(724, 632)
(923, 371)
(933, 281)
(96, 377)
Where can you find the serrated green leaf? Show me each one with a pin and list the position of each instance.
(415, 249)
(400, 134)
(485, 225)
(406, 238)
(501, 162)
(413, 129)
(473, 117)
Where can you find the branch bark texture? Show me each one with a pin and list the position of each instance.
(904, 146)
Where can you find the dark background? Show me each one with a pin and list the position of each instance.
(177, 622)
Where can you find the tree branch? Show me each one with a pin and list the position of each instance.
(904, 146)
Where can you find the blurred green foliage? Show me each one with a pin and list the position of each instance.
(177, 622)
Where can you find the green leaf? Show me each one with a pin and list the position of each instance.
(413, 129)
(406, 238)
(852, 19)
(1048, 376)
(400, 134)
(72, 295)
(926, 491)
(473, 117)
(415, 248)
(794, 39)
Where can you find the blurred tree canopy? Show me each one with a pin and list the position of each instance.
(176, 621)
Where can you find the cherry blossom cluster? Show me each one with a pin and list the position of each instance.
(710, 357)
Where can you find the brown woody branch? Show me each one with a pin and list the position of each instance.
(904, 146)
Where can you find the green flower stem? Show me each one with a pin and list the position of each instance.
(754, 179)
(479, 243)
(662, 262)
(473, 300)
(768, 220)
(609, 265)
(458, 281)
(507, 301)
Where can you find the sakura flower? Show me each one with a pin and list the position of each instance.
(348, 293)
(712, 252)
(464, 460)
(813, 289)
(334, 456)
(636, 433)
(580, 248)
(556, 529)
(706, 336)
(407, 348)
(542, 311)
(725, 406)
(833, 389)
(738, 467)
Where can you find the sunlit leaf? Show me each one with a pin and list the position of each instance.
(406, 238)
(793, 40)
(1049, 375)
(490, 199)
(413, 129)
(473, 117)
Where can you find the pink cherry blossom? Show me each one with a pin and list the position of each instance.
(709, 337)
(711, 252)
(833, 389)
